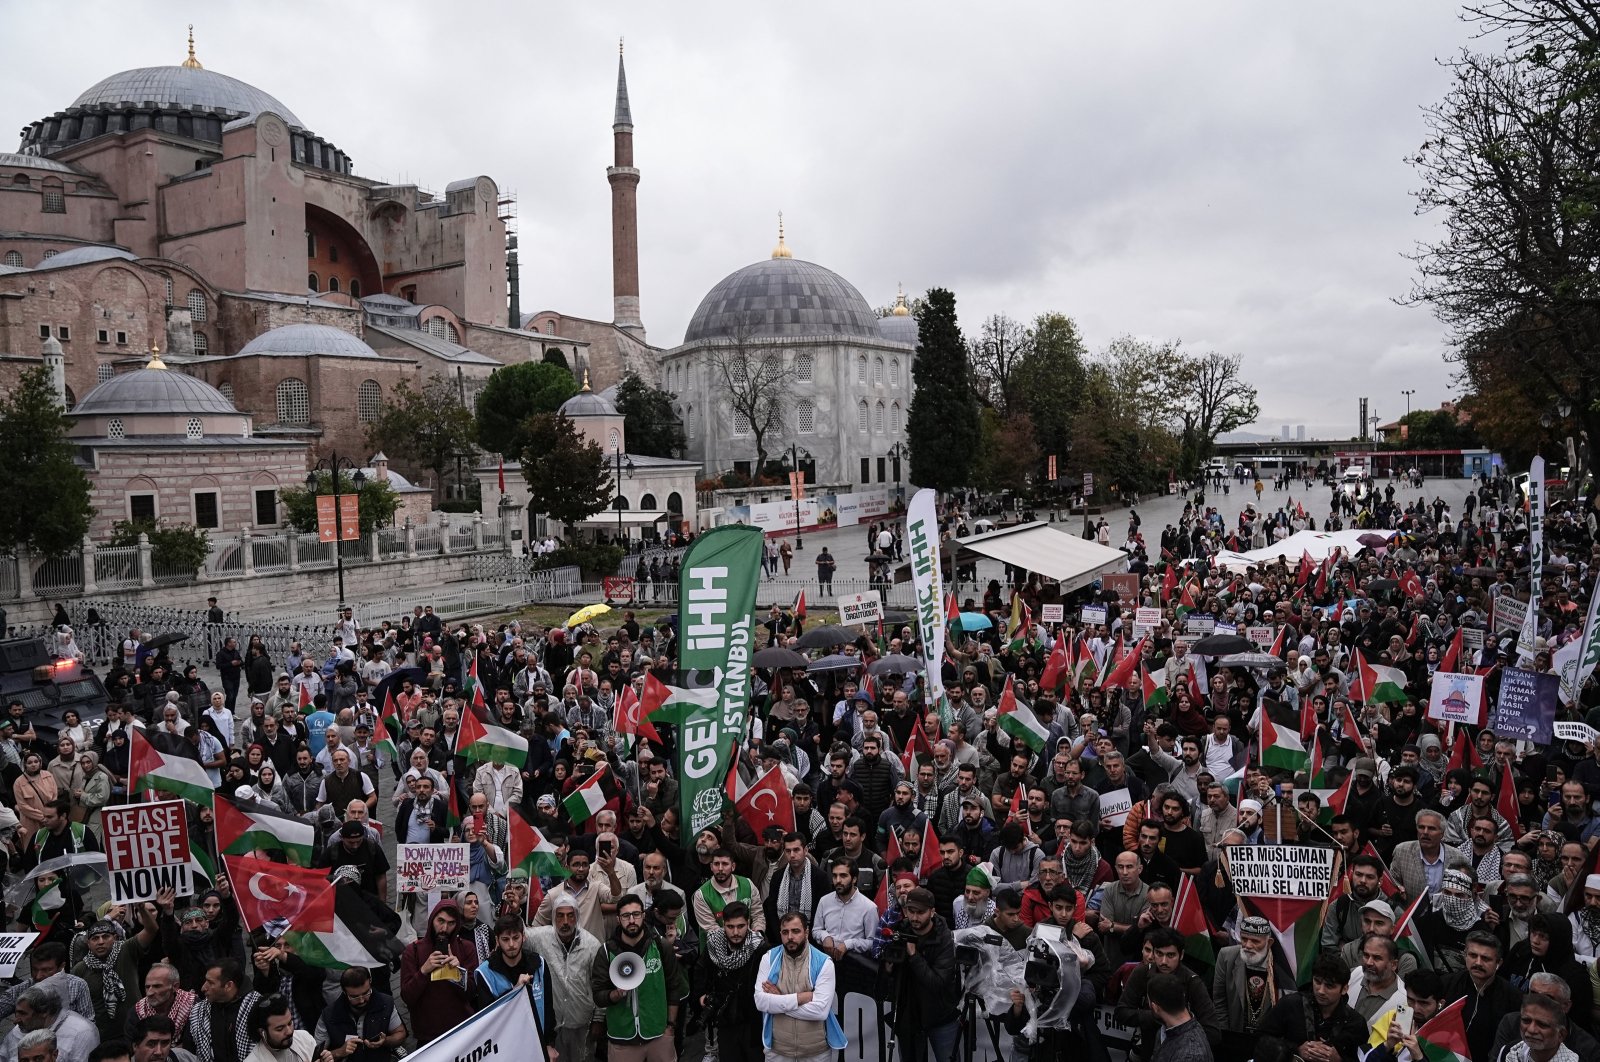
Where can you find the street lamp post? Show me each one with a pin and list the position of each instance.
(333, 464)
(897, 453)
(1408, 392)
(624, 464)
(795, 455)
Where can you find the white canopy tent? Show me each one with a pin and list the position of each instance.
(1038, 547)
(1318, 544)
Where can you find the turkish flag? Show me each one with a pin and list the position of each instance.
(1056, 666)
(767, 803)
(629, 716)
(265, 891)
(1507, 805)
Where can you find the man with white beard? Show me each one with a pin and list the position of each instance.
(1246, 984)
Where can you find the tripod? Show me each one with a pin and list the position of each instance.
(969, 1029)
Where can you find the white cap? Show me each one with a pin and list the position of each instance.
(1592, 882)
(1249, 804)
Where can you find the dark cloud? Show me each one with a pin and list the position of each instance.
(1227, 174)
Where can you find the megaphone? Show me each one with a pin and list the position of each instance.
(627, 971)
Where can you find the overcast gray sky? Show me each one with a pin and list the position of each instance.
(1227, 173)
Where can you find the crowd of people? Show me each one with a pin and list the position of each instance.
(916, 825)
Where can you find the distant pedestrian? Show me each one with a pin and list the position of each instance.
(825, 569)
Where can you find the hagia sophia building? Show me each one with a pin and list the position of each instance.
(174, 220)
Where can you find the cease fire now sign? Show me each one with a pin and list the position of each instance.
(147, 850)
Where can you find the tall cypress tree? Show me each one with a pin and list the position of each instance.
(943, 423)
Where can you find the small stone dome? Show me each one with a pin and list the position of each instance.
(153, 391)
(782, 298)
(302, 339)
(587, 404)
(898, 330)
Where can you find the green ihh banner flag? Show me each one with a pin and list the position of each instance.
(716, 627)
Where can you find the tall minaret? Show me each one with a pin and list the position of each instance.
(624, 180)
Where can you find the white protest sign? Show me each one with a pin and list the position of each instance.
(1471, 639)
(1052, 613)
(12, 948)
(1095, 614)
(1262, 636)
(1147, 617)
(1508, 613)
(860, 608)
(1201, 623)
(147, 849)
(1283, 871)
(1115, 806)
(1456, 698)
(1576, 732)
(505, 1027)
(432, 867)
(1226, 628)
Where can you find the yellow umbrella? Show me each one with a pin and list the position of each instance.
(587, 613)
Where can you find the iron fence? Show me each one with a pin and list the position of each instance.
(58, 575)
(115, 567)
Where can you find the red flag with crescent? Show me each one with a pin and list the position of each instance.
(266, 891)
(767, 803)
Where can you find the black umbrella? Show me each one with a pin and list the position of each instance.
(777, 656)
(837, 662)
(895, 618)
(161, 641)
(1481, 573)
(896, 664)
(825, 637)
(1378, 586)
(1222, 645)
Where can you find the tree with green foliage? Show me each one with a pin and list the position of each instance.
(568, 476)
(172, 546)
(378, 502)
(511, 395)
(1128, 443)
(1213, 399)
(995, 356)
(652, 425)
(1008, 455)
(1431, 429)
(427, 429)
(942, 426)
(44, 496)
(1049, 381)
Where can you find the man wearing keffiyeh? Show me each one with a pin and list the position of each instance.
(111, 968)
(1586, 922)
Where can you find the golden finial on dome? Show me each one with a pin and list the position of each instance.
(192, 63)
(781, 251)
(585, 387)
(155, 358)
(900, 307)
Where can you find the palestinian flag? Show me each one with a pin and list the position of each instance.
(482, 742)
(1113, 663)
(1386, 884)
(1057, 666)
(1318, 778)
(1084, 665)
(1349, 728)
(671, 700)
(475, 689)
(1186, 601)
(1338, 803)
(1406, 937)
(1377, 684)
(1444, 1037)
(244, 828)
(45, 907)
(1281, 748)
(1018, 720)
(1297, 926)
(176, 776)
(531, 850)
(1308, 719)
(382, 739)
(202, 862)
(330, 926)
(1125, 672)
(1321, 590)
(1303, 574)
(1277, 643)
(1234, 783)
(305, 697)
(1189, 918)
(1155, 693)
(590, 796)
(800, 604)
(628, 720)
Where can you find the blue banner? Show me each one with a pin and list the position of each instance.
(1526, 707)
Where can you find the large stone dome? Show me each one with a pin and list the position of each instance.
(303, 339)
(153, 391)
(782, 298)
(191, 88)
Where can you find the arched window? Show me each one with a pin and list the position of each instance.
(202, 345)
(861, 369)
(313, 283)
(804, 365)
(894, 418)
(333, 284)
(197, 306)
(894, 372)
(14, 258)
(738, 371)
(369, 400)
(741, 424)
(619, 504)
(170, 292)
(861, 415)
(450, 331)
(613, 440)
(647, 502)
(294, 401)
(877, 370)
(877, 418)
(675, 503)
(689, 421)
(54, 199)
(21, 180)
(115, 430)
(195, 428)
(227, 392)
(805, 415)
(355, 288)
(436, 327)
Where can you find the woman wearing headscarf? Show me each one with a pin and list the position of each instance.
(1548, 949)
(96, 790)
(474, 903)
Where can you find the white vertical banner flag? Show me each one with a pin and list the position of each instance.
(1530, 625)
(922, 545)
